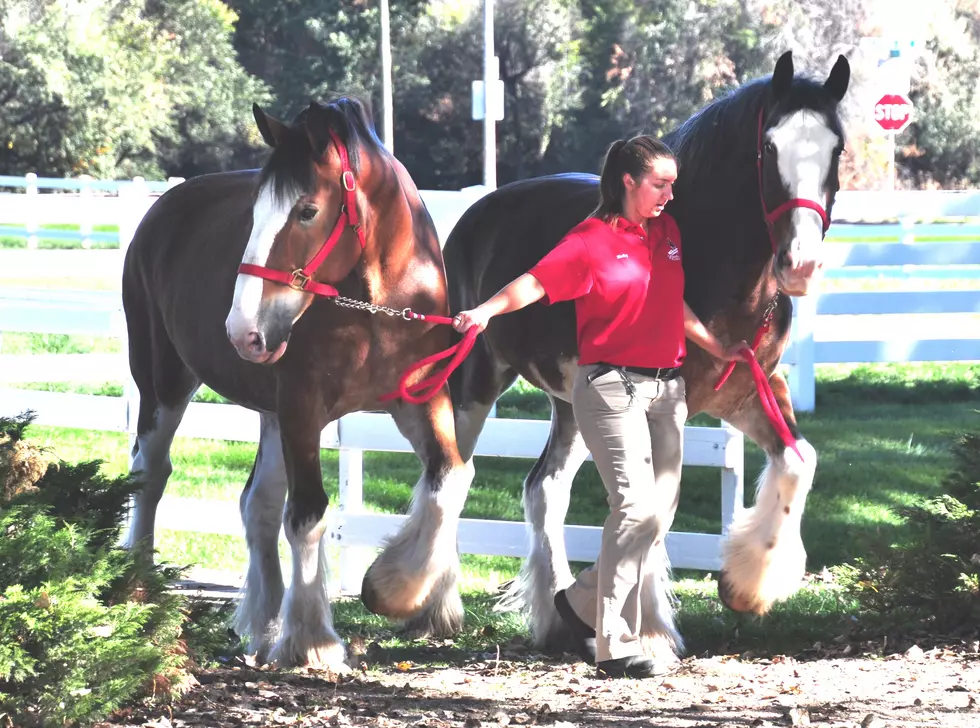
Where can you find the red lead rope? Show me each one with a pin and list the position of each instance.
(422, 392)
(766, 396)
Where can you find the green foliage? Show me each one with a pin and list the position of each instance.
(121, 88)
(648, 66)
(934, 572)
(942, 146)
(312, 49)
(84, 625)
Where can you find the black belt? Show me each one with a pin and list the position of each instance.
(663, 373)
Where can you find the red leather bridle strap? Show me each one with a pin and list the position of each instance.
(769, 404)
(772, 217)
(301, 279)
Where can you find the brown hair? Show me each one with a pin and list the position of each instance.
(634, 157)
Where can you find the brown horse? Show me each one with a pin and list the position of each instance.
(757, 181)
(219, 287)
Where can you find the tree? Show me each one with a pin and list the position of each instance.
(648, 66)
(942, 149)
(113, 89)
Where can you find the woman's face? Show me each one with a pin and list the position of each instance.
(648, 194)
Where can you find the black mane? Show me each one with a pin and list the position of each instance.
(716, 148)
(290, 167)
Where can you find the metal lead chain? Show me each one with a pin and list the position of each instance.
(373, 308)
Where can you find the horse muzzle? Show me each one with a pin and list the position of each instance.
(252, 346)
(797, 276)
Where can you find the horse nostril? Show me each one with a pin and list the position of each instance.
(254, 342)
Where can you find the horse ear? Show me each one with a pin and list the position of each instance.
(782, 76)
(840, 76)
(317, 128)
(272, 130)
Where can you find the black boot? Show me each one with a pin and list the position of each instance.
(583, 636)
(636, 666)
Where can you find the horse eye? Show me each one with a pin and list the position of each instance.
(307, 213)
(770, 147)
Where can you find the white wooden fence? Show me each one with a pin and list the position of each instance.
(928, 321)
(76, 312)
(100, 313)
(350, 527)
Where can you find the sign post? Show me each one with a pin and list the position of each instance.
(893, 113)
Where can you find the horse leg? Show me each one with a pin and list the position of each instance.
(166, 387)
(416, 573)
(307, 636)
(261, 504)
(547, 489)
(763, 554)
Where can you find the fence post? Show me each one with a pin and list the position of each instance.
(32, 210)
(908, 229)
(132, 198)
(733, 480)
(802, 381)
(353, 560)
(85, 225)
(133, 203)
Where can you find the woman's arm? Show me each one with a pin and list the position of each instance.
(700, 335)
(515, 295)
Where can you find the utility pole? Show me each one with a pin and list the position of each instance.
(388, 126)
(489, 113)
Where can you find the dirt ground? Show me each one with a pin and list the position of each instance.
(517, 687)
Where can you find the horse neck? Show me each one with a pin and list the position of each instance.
(726, 244)
(393, 243)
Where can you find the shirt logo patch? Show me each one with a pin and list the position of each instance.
(622, 255)
(673, 252)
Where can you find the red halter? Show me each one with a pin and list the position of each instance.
(301, 279)
(771, 217)
(769, 404)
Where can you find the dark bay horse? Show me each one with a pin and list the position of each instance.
(758, 173)
(219, 287)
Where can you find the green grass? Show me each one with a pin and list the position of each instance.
(13, 243)
(881, 434)
(23, 343)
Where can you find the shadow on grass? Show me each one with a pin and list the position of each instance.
(817, 614)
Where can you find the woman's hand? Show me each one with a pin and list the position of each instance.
(465, 320)
(734, 352)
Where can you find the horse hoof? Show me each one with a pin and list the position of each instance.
(369, 597)
(732, 599)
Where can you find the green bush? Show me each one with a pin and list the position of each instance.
(84, 625)
(934, 574)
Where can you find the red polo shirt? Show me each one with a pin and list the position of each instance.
(628, 290)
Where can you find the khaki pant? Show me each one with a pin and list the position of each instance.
(637, 445)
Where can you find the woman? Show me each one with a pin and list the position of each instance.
(622, 267)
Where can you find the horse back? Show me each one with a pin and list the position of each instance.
(501, 237)
(179, 279)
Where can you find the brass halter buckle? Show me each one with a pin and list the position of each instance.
(299, 280)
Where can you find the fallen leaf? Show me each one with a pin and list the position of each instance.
(403, 666)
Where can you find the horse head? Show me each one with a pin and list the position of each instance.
(306, 234)
(800, 141)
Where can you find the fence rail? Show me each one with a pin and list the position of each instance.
(100, 313)
(350, 527)
(857, 326)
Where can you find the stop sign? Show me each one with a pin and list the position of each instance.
(893, 112)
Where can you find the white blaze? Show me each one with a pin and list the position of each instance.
(269, 216)
(805, 144)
